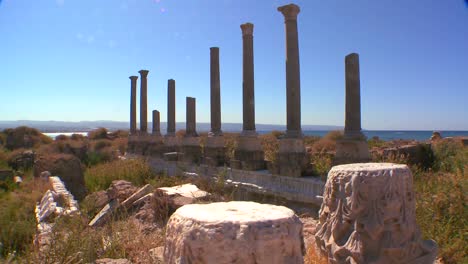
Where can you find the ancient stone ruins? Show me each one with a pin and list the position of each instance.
(367, 210)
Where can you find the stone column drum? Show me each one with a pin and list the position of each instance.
(133, 135)
(144, 102)
(234, 232)
(292, 159)
(170, 141)
(191, 141)
(156, 146)
(368, 216)
(353, 147)
(214, 150)
(156, 123)
(248, 154)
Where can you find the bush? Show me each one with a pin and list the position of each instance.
(327, 143)
(450, 156)
(24, 137)
(270, 144)
(100, 133)
(101, 176)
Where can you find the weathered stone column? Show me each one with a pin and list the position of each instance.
(215, 92)
(353, 147)
(248, 154)
(248, 96)
(214, 149)
(191, 142)
(353, 97)
(133, 122)
(293, 84)
(156, 123)
(368, 216)
(191, 130)
(144, 102)
(171, 123)
(292, 159)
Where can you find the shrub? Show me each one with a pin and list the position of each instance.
(24, 137)
(100, 133)
(450, 156)
(61, 137)
(101, 176)
(327, 143)
(270, 146)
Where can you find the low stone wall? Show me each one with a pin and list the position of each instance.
(304, 189)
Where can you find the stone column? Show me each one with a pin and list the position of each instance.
(248, 154)
(215, 92)
(133, 109)
(191, 142)
(353, 97)
(191, 122)
(171, 123)
(156, 123)
(248, 97)
(144, 101)
(293, 85)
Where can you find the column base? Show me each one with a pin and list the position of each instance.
(292, 159)
(191, 150)
(214, 151)
(249, 154)
(138, 144)
(171, 143)
(351, 151)
(156, 147)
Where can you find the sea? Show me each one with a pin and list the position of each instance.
(386, 135)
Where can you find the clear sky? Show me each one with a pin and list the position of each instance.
(70, 60)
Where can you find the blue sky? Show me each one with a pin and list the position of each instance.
(70, 60)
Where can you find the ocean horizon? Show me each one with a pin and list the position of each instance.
(386, 135)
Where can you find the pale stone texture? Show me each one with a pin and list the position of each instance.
(368, 216)
(133, 107)
(353, 147)
(234, 232)
(144, 101)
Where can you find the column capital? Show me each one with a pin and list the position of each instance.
(352, 58)
(133, 78)
(143, 73)
(289, 11)
(247, 29)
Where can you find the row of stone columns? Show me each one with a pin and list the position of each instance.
(291, 159)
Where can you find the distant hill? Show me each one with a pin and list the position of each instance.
(84, 126)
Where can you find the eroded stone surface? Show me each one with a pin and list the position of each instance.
(368, 216)
(234, 232)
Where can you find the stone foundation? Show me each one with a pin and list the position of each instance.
(352, 150)
(171, 144)
(156, 147)
(191, 150)
(214, 151)
(292, 158)
(248, 154)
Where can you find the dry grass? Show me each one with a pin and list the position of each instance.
(313, 257)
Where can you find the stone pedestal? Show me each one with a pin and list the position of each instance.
(248, 154)
(191, 149)
(351, 150)
(368, 216)
(234, 232)
(171, 144)
(156, 147)
(292, 158)
(214, 151)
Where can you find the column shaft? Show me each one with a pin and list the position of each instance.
(293, 84)
(156, 123)
(215, 91)
(248, 94)
(144, 101)
(133, 107)
(171, 107)
(353, 95)
(191, 117)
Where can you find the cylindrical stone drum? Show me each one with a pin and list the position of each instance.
(234, 232)
(368, 216)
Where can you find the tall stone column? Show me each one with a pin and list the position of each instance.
(133, 107)
(144, 101)
(191, 142)
(190, 129)
(292, 159)
(248, 96)
(156, 123)
(353, 97)
(215, 92)
(171, 122)
(293, 84)
(248, 154)
(353, 148)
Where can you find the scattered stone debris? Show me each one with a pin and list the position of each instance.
(56, 202)
(113, 261)
(18, 180)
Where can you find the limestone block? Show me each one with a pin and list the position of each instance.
(234, 232)
(127, 204)
(104, 215)
(351, 151)
(186, 190)
(368, 216)
(214, 151)
(191, 149)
